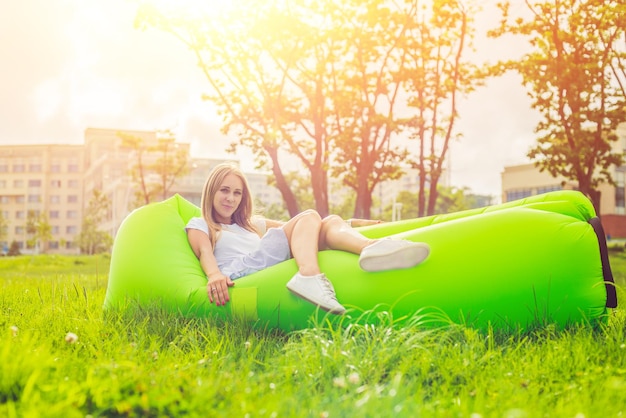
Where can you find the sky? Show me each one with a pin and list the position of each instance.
(69, 65)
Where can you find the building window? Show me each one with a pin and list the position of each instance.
(55, 198)
(3, 184)
(4, 199)
(72, 184)
(72, 198)
(20, 214)
(72, 214)
(34, 183)
(18, 183)
(53, 245)
(19, 230)
(54, 214)
(5, 214)
(548, 189)
(20, 199)
(4, 168)
(55, 184)
(72, 168)
(19, 168)
(71, 229)
(34, 198)
(55, 168)
(34, 168)
(620, 201)
(69, 245)
(55, 230)
(517, 194)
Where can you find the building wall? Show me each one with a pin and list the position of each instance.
(47, 179)
(59, 181)
(525, 180)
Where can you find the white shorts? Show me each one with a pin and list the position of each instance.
(273, 249)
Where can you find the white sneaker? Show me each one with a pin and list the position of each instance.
(317, 290)
(391, 254)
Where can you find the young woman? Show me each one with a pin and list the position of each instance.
(231, 243)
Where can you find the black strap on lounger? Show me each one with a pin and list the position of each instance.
(609, 282)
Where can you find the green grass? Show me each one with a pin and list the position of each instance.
(151, 363)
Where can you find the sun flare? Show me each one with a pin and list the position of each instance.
(191, 8)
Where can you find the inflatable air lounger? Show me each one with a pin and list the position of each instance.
(536, 261)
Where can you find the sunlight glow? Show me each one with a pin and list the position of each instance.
(191, 8)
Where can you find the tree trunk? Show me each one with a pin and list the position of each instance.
(281, 184)
(319, 183)
(363, 205)
(432, 194)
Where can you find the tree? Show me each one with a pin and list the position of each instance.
(157, 166)
(575, 78)
(91, 240)
(4, 225)
(437, 75)
(285, 79)
(14, 249)
(451, 199)
(328, 83)
(39, 230)
(232, 54)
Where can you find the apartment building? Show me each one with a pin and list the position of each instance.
(45, 179)
(525, 180)
(59, 180)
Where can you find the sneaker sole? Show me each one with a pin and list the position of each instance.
(401, 258)
(335, 311)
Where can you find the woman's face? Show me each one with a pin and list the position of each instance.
(227, 199)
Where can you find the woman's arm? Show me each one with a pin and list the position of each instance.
(355, 222)
(218, 284)
(270, 223)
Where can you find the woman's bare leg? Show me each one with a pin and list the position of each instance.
(375, 255)
(303, 232)
(336, 234)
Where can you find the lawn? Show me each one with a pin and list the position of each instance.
(60, 355)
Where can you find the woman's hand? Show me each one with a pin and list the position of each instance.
(217, 288)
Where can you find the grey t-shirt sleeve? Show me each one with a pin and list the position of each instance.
(198, 223)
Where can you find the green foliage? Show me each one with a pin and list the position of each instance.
(38, 229)
(449, 199)
(91, 239)
(14, 248)
(150, 362)
(575, 77)
(4, 225)
(336, 85)
(274, 211)
(163, 159)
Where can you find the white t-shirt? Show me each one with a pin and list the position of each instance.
(235, 243)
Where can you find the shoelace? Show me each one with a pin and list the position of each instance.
(328, 288)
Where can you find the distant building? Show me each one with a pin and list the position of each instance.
(43, 179)
(59, 180)
(525, 180)
(385, 193)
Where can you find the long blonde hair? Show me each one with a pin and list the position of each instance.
(242, 215)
